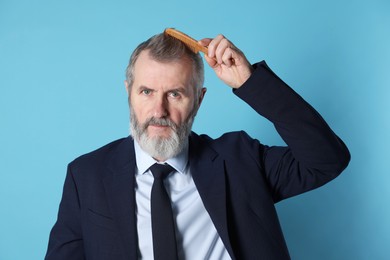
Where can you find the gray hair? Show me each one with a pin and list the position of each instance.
(164, 48)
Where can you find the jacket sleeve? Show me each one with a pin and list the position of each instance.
(65, 240)
(314, 154)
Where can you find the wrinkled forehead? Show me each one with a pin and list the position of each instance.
(175, 72)
(146, 61)
(149, 56)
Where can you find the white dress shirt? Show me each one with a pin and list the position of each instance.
(196, 235)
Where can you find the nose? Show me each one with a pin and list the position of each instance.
(160, 107)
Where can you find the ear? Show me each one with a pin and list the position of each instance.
(201, 96)
(127, 87)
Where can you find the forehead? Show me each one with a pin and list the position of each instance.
(146, 64)
(177, 71)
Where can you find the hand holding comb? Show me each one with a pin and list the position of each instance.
(232, 66)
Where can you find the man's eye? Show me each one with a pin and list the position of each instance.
(146, 91)
(174, 94)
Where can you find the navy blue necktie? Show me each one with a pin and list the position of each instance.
(163, 227)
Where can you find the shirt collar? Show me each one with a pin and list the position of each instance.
(144, 160)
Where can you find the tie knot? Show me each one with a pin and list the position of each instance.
(160, 171)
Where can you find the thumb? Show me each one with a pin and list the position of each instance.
(212, 62)
(205, 42)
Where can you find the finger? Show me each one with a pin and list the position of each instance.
(213, 45)
(223, 46)
(228, 57)
(212, 62)
(205, 42)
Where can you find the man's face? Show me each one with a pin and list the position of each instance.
(162, 101)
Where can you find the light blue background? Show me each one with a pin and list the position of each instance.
(61, 78)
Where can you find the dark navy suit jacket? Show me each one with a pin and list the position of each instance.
(238, 178)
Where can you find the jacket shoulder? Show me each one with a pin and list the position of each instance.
(101, 154)
(230, 142)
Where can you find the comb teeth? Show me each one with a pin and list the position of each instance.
(187, 40)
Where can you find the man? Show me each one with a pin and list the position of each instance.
(222, 191)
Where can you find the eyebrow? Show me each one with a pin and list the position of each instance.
(178, 89)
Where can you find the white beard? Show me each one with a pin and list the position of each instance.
(161, 148)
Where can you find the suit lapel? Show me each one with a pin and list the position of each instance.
(119, 185)
(208, 171)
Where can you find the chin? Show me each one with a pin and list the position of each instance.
(160, 134)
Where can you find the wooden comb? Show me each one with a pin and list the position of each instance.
(187, 40)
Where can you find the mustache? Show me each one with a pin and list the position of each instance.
(160, 122)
